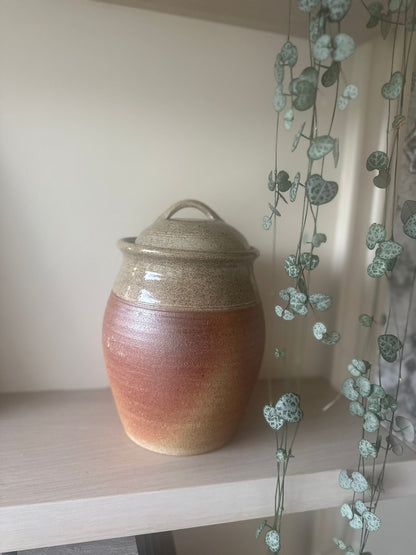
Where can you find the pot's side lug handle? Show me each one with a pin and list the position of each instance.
(191, 203)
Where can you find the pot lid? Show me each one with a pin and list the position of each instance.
(209, 236)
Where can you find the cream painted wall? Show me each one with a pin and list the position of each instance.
(108, 115)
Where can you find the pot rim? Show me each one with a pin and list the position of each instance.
(128, 245)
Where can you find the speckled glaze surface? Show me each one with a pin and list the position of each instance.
(183, 333)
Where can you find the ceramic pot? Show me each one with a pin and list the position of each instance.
(183, 333)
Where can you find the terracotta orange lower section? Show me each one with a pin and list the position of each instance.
(181, 380)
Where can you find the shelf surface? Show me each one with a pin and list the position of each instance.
(69, 474)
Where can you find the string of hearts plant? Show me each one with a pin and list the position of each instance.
(328, 48)
(368, 398)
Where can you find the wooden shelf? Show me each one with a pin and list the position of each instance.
(69, 474)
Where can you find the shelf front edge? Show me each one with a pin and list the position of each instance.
(59, 523)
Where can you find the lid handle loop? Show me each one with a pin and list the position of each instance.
(191, 203)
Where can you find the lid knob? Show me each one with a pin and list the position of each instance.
(190, 203)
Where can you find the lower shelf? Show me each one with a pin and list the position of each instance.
(69, 474)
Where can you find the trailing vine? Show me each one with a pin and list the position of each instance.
(297, 92)
(368, 398)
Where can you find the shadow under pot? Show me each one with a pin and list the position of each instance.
(183, 333)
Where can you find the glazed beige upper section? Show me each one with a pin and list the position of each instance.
(188, 264)
(185, 281)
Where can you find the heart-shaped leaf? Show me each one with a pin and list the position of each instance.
(274, 210)
(304, 88)
(284, 294)
(342, 102)
(344, 46)
(340, 544)
(271, 182)
(376, 234)
(292, 269)
(364, 386)
(395, 445)
(360, 507)
(377, 391)
(316, 28)
(288, 119)
(378, 160)
(359, 367)
(393, 89)
(267, 223)
(346, 511)
(287, 315)
(294, 188)
(408, 210)
(408, 216)
(349, 391)
(375, 8)
(367, 449)
(344, 480)
(406, 428)
(356, 408)
(330, 76)
(319, 329)
(272, 540)
(382, 180)
(410, 227)
(299, 298)
(350, 91)
(318, 239)
(388, 345)
(297, 137)
(390, 250)
(272, 419)
(306, 94)
(366, 320)
(338, 9)
(279, 101)
(373, 21)
(279, 71)
(289, 54)
(371, 422)
(281, 455)
(377, 268)
(320, 147)
(372, 521)
(320, 301)
(359, 484)
(398, 121)
(307, 5)
(283, 182)
(288, 408)
(310, 261)
(356, 522)
(261, 528)
(331, 338)
(297, 304)
(320, 191)
(322, 48)
(389, 402)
